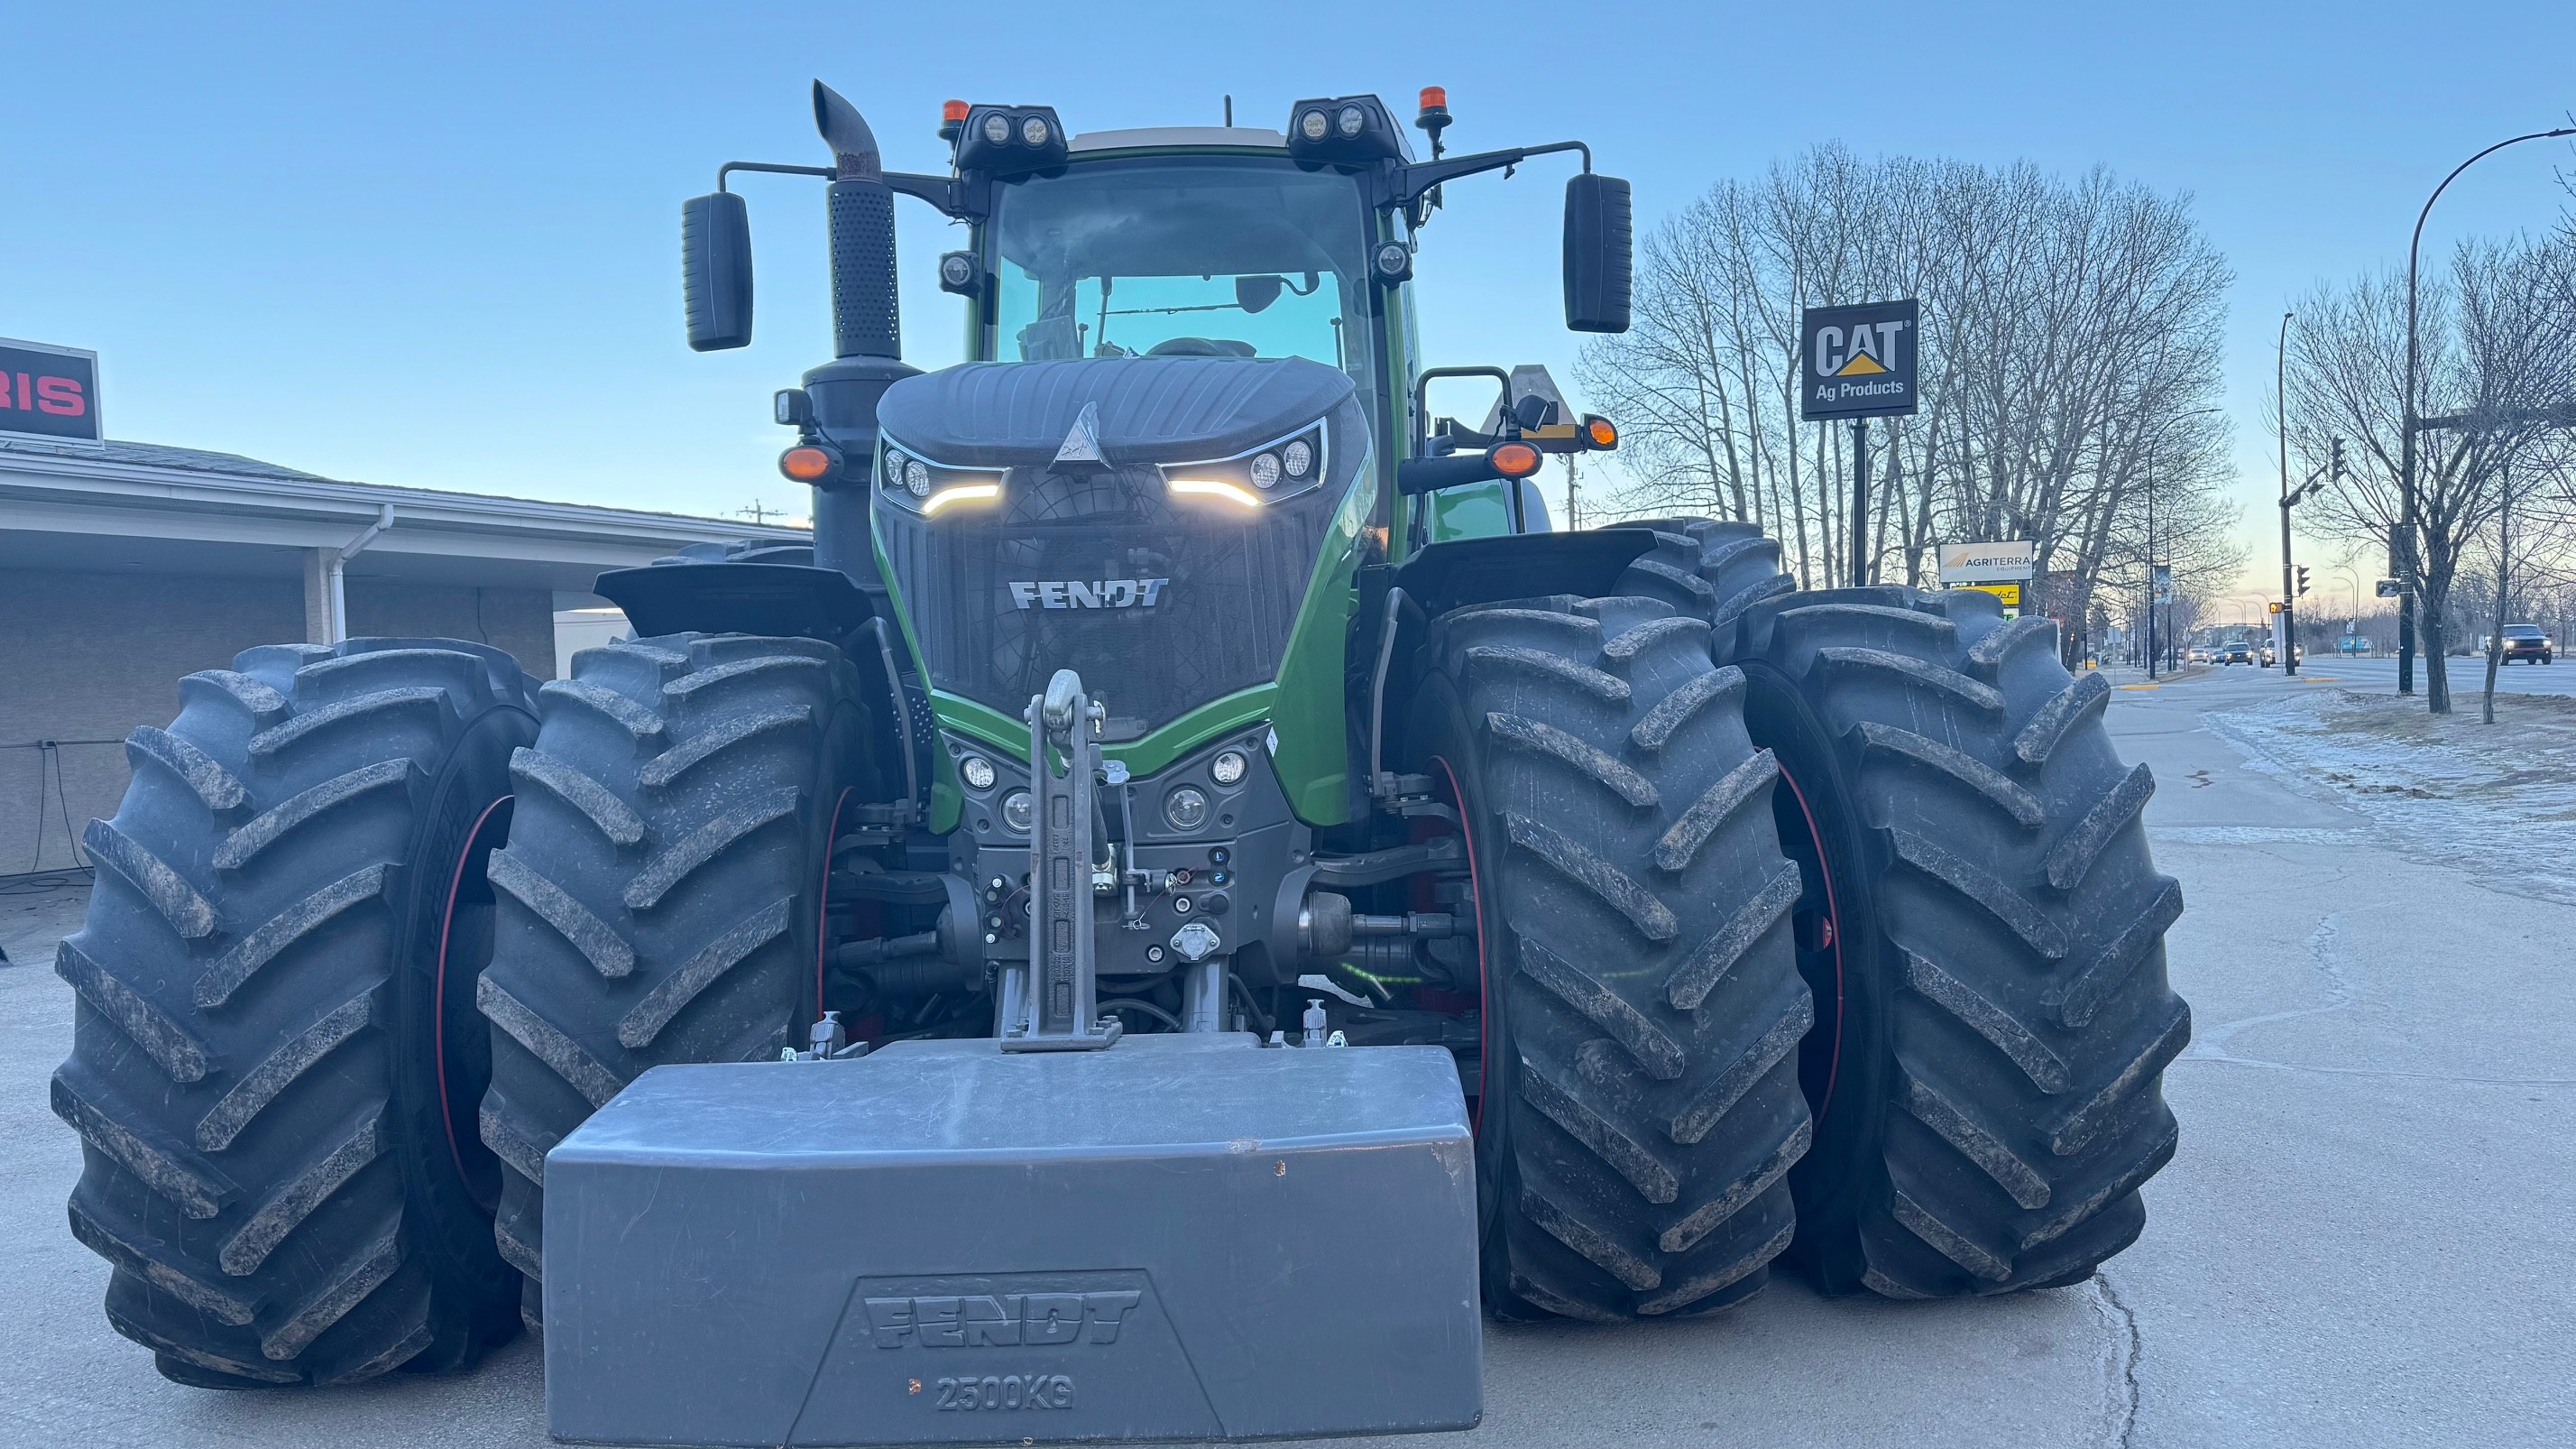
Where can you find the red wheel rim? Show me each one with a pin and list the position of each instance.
(1834, 930)
(438, 983)
(1484, 973)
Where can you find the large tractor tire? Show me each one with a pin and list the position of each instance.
(661, 898)
(1639, 1106)
(275, 1056)
(1708, 569)
(1983, 929)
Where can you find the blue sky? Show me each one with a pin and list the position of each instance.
(437, 246)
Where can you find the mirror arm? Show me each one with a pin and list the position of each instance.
(731, 167)
(947, 193)
(1412, 181)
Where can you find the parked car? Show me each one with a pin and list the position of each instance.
(2528, 642)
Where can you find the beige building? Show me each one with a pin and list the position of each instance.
(127, 565)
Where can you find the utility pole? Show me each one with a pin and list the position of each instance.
(2401, 549)
(2152, 591)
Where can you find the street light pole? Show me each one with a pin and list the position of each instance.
(2289, 645)
(2401, 549)
(2151, 554)
(2154, 440)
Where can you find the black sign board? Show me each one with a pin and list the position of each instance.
(48, 392)
(1858, 362)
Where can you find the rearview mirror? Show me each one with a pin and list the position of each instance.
(1598, 265)
(1253, 294)
(715, 271)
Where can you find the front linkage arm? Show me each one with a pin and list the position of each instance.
(1053, 1003)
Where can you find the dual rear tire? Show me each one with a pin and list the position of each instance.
(1980, 922)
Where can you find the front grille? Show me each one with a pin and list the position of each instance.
(1160, 607)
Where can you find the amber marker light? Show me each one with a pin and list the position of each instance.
(963, 493)
(1601, 432)
(1514, 460)
(1215, 488)
(808, 464)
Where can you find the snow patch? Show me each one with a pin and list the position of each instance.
(2498, 801)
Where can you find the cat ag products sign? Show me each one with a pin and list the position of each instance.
(48, 392)
(1858, 362)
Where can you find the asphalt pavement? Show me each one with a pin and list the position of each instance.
(2364, 1240)
(2379, 675)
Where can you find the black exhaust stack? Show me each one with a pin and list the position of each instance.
(865, 320)
(867, 334)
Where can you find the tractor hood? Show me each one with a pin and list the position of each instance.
(1152, 409)
(1170, 600)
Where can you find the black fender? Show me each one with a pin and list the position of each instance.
(1585, 563)
(1378, 660)
(784, 600)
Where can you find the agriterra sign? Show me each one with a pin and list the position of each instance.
(48, 392)
(1858, 362)
(1963, 563)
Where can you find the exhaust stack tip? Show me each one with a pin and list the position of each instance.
(845, 131)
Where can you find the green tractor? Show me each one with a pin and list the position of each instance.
(1165, 695)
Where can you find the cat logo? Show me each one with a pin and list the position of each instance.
(1860, 357)
(1861, 360)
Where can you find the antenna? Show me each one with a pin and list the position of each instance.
(1229, 112)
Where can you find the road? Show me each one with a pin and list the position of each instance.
(2363, 1242)
(2468, 676)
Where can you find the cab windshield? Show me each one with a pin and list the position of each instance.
(1190, 257)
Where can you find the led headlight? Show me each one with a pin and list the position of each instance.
(977, 771)
(1186, 807)
(1227, 768)
(1284, 468)
(922, 486)
(1034, 130)
(1019, 811)
(1351, 120)
(997, 129)
(1315, 124)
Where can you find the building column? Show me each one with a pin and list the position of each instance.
(321, 583)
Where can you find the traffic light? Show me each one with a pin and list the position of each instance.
(2303, 582)
(2275, 606)
(2339, 472)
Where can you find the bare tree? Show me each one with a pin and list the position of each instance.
(2498, 364)
(2065, 324)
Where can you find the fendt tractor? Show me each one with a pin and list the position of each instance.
(1186, 896)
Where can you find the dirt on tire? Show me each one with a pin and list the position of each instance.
(1642, 1007)
(274, 1064)
(661, 894)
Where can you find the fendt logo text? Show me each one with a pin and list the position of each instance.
(1000, 1320)
(1088, 594)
